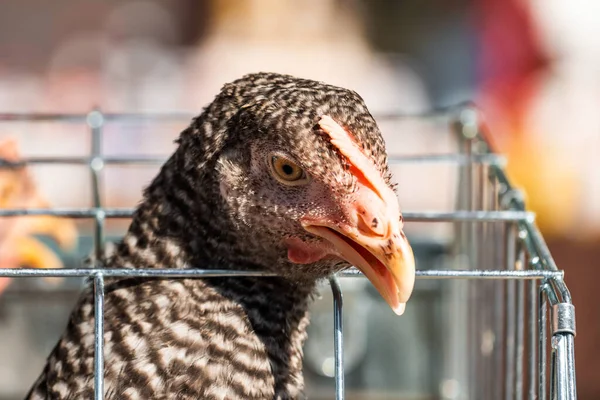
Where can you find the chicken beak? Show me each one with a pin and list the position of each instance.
(368, 231)
(373, 241)
(388, 263)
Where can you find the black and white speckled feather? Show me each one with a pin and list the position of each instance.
(213, 206)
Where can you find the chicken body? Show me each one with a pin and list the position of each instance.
(218, 204)
(185, 339)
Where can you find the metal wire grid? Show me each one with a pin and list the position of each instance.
(525, 248)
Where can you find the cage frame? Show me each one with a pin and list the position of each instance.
(468, 127)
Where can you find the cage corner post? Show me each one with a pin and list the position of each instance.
(563, 351)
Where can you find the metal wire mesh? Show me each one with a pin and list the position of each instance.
(492, 226)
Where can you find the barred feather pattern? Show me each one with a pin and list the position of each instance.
(215, 338)
(183, 340)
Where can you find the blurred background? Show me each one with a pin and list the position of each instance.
(533, 66)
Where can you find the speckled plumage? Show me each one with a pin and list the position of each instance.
(213, 206)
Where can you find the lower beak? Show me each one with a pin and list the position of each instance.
(386, 260)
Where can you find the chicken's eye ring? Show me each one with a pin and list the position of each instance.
(287, 171)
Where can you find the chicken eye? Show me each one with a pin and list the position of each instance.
(287, 171)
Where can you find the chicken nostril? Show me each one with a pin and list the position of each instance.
(369, 224)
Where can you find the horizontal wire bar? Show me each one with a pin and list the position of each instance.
(472, 274)
(455, 158)
(126, 272)
(469, 216)
(83, 118)
(458, 159)
(68, 212)
(151, 116)
(210, 273)
(84, 161)
(426, 216)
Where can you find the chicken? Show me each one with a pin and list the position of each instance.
(279, 174)
(17, 247)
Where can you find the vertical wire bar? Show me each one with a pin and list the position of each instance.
(498, 262)
(478, 256)
(562, 367)
(473, 338)
(479, 371)
(98, 337)
(463, 347)
(469, 127)
(99, 220)
(475, 259)
(499, 324)
(555, 385)
(532, 344)
(95, 121)
(511, 238)
(542, 326)
(479, 243)
(570, 370)
(338, 337)
(469, 247)
(520, 350)
(485, 257)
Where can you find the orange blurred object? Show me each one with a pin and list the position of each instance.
(551, 187)
(17, 247)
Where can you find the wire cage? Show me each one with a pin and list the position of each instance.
(508, 323)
